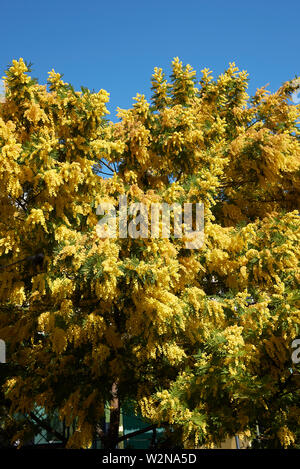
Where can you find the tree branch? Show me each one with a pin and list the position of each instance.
(138, 432)
(108, 167)
(48, 428)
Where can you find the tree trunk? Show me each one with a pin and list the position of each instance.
(111, 438)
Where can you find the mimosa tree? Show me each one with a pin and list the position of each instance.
(201, 339)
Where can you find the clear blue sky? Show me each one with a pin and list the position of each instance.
(116, 44)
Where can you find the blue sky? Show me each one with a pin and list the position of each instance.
(116, 44)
